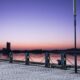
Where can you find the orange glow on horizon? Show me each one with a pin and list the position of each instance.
(40, 46)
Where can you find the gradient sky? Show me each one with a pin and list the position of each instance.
(45, 24)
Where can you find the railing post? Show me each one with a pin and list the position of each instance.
(63, 60)
(47, 59)
(27, 58)
(10, 57)
(75, 62)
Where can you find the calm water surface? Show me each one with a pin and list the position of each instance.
(41, 58)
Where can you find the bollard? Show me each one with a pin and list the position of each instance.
(63, 60)
(10, 57)
(75, 61)
(47, 59)
(27, 58)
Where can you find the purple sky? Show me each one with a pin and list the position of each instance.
(38, 23)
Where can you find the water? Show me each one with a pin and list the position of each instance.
(41, 58)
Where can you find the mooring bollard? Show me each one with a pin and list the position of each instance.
(10, 57)
(63, 60)
(27, 58)
(47, 59)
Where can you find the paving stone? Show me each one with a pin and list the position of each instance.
(27, 72)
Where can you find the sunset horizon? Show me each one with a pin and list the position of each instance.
(38, 46)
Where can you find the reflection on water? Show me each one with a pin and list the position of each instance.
(41, 58)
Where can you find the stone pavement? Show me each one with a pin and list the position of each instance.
(19, 71)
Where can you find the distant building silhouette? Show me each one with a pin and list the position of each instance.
(8, 46)
(7, 49)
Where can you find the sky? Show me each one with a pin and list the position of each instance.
(38, 24)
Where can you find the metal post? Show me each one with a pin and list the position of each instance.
(10, 57)
(47, 59)
(63, 60)
(74, 7)
(27, 58)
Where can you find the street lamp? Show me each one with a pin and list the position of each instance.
(74, 11)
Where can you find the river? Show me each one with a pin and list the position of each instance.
(41, 58)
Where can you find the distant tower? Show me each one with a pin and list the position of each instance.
(8, 46)
(6, 50)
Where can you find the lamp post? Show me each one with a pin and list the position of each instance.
(74, 11)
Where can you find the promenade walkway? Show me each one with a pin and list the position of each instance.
(19, 71)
